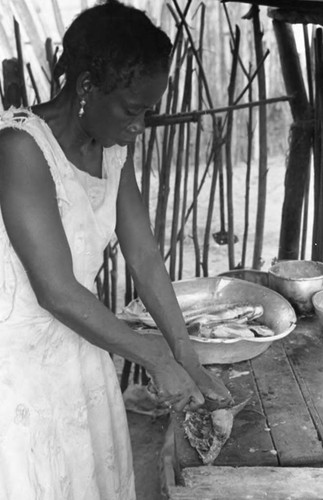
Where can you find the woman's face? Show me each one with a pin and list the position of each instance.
(118, 117)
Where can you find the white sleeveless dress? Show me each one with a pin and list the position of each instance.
(63, 426)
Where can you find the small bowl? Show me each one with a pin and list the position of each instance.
(297, 281)
(317, 300)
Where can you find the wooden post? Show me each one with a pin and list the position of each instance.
(297, 167)
(317, 240)
(11, 83)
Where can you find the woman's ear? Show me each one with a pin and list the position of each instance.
(84, 84)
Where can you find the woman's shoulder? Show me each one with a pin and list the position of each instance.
(16, 141)
(22, 132)
(18, 144)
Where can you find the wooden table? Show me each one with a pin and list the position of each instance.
(275, 448)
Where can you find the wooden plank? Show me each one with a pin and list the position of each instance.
(289, 420)
(294, 16)
(305, 353)
(249, 483)
(250, 442)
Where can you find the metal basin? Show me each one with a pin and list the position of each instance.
(297, 281)
(252, 275)
(278, 315)
(317, 300)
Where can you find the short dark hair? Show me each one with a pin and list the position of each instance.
(114, 42)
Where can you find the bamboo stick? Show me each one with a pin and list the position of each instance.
(25, 15)
(228, 148)
(197, 153)
(190, 208)
(23, 90)
(262, 176)
(181, 233)
(147, 163)
(252, 77)
(217, 162)
(202, 74)
(221, 236)
(193, 116)
(51, 58)
(33, 83)
(162, 173)
(232, 35)
(178, 171)
(203, 79)
(163, 193)
(194, 203)
(247, 185)
(179, 24)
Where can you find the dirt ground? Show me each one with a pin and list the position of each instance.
(147, 434)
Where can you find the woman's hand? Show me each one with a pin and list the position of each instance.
(211, 386)
(174, 387)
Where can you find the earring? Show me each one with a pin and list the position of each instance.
(81, 110)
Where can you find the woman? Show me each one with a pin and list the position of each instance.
(67, 183)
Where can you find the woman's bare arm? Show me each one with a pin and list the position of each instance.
(31, 216)
(153, 284)
(147, 267)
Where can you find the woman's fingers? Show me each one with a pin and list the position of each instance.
(212, 386)
(192, 402)
(219, 392)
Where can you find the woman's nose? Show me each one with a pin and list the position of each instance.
(137, 126)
